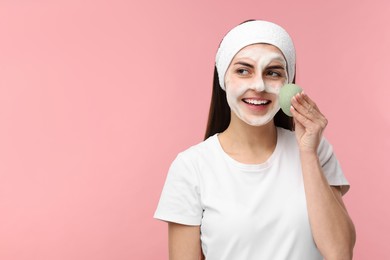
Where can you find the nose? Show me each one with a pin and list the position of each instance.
(258, 85)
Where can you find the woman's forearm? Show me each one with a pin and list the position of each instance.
(332, 228)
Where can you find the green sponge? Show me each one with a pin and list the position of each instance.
(285, 95)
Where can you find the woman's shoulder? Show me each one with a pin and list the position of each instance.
(203, 149)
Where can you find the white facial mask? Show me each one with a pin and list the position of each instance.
(257, 86)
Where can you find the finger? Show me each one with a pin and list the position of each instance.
(304, 100)
(307, 99)
(317, 125)
(303, 107)
(297, 124)
(300, 118)
(310, 110)
(314, 108)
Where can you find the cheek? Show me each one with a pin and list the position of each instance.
(235, 88)
(275, 87)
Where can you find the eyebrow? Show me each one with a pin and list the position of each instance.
(276, 67)
(252, 67)
(244, 64)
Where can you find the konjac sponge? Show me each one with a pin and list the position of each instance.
(285, 95)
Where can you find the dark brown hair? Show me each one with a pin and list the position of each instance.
(219, 113)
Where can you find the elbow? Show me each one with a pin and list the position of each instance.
(350, 243)
(342, 254)
(343, 249)
(345, 255)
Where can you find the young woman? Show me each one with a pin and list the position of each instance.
(262, 185)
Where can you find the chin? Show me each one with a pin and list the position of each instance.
(259, 122)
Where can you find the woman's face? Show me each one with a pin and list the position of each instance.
(253, 81)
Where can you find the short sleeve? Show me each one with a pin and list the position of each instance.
(180, 197)
(331, 167)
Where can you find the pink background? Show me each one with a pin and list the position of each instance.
(98, 97)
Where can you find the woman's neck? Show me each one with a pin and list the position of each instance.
(249, 144)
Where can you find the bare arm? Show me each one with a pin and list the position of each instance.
(332, 228)
(184, 242)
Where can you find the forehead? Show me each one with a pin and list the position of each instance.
(260, 50)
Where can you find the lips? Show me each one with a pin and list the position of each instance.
(256, 101)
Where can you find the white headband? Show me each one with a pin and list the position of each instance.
(250, 33)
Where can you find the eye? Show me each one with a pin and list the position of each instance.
(242, 71)
(273, 74)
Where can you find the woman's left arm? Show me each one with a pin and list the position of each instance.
(332, 228)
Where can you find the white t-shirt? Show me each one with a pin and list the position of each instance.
(246, 211)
